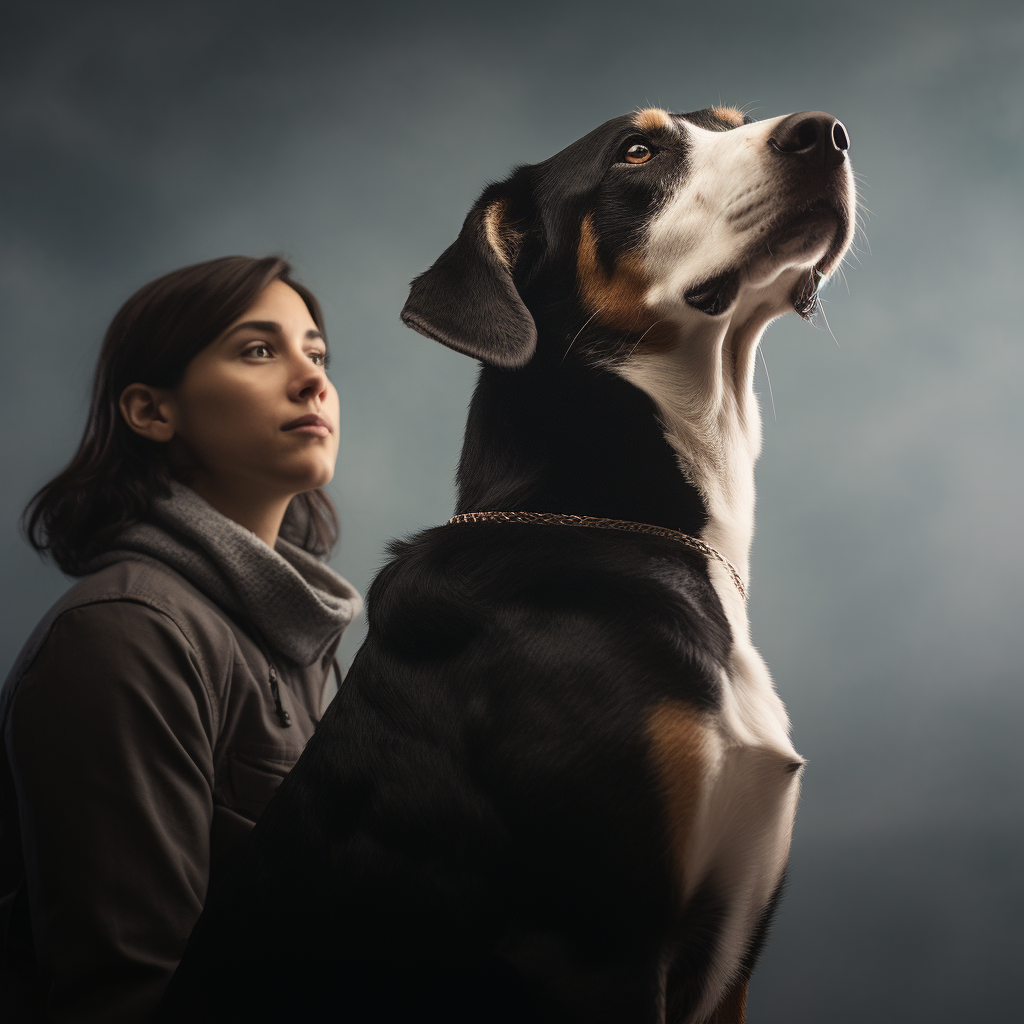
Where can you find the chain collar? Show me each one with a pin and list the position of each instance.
(554, 519)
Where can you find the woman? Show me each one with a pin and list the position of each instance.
(158, 705)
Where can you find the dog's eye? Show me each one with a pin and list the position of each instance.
(638, 153)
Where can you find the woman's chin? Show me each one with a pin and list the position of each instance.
(311, 477)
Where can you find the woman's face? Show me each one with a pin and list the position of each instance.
(255, 413)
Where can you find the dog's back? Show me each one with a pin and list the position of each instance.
(557, 784)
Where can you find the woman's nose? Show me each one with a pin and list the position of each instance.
(312, 384)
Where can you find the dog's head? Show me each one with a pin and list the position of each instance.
(651, 225)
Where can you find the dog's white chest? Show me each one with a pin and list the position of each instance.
(730, 780)
(743, 816)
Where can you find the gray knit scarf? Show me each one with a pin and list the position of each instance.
(297, 604)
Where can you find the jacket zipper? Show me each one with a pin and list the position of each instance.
(283, 716)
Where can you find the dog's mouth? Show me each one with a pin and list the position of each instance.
(805, 295)
(715, 295)
(821, 224)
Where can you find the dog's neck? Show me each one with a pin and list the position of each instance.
(702, 386)
(569, 438)
(667, 437)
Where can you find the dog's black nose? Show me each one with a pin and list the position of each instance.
(813, 137)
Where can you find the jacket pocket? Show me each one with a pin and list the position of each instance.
(254, 780)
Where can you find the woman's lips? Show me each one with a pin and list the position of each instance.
(312, 424)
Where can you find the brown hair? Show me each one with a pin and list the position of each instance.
(115, 475)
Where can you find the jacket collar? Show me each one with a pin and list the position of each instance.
(297, 604)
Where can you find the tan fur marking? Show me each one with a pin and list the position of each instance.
(733, 1007)
(731, 115)
(679, 754)
(652, 118)
(617, 300)
(503, 239)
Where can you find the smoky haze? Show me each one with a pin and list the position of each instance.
(888, 555)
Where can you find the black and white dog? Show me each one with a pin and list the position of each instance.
(557, 784)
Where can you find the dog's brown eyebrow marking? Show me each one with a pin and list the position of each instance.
(679, 754)
(652, 118)
(730, 115)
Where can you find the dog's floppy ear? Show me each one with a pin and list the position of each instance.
(468, 300)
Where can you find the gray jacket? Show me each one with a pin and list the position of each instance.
(144, 731)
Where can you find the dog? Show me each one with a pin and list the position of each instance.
(557, 784)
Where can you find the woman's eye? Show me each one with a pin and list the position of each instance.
(638, 153)
(319, 358)
(260, 351)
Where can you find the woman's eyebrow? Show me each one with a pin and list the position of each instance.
(271, 327)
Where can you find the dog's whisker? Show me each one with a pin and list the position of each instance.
(821, 310)
(580, 331)
(767, 377)
(644, 335)
(842, 273)
(640, 310)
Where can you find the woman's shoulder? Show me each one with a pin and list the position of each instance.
(126, 604)
(141, 582)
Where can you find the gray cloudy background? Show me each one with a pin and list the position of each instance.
(138, 137)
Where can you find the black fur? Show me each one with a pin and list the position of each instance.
(476, 822)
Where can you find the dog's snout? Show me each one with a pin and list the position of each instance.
(813, 137)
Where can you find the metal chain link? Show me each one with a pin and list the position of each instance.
(554, 519)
